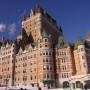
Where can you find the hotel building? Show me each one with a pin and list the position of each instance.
(6, 63)
(40, 56)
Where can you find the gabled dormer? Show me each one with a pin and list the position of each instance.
(20, 51)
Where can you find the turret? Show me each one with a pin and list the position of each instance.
(80, 56)
(46, 53)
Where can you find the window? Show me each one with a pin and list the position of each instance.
(78, 84)
(44, 67)
(44, 76)
(51, 68)
(43, 59)
(46, 40)
(46, 52)
(63, 68)
(47, 67)
(49, 53)
(65, 84)
(60, 54)
(43, 53)
(64, 75)
(18, 79)
(8, 68)
(24, 71)
(47, 75)
(40, 46)
(83, 57)
(82, 49)
(46, 59)
(24, 78)
(35, 77)
(24, 64)
(31, 78)
(67, 75)
(46, 45)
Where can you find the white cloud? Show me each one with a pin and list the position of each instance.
(2, 27)
(12, 28)
(9, 28)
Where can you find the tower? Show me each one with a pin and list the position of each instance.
(45, 61)
(80, 57)
(64, 63)
(38, 20)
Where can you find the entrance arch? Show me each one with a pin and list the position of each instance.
(65, 84)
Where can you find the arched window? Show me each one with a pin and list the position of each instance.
(65, 84)
(78, 84)
(87, 85)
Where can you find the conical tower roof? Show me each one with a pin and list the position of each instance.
(61, 42)
(44, 34)
(78, 42)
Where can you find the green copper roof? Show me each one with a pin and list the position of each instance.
(44, 34)
(88, 36)
(62, 43)
(78, 42)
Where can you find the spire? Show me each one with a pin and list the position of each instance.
(61, 31)
(44, 34)
(37, 9)
(37, 6)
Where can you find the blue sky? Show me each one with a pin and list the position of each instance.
(72, 15)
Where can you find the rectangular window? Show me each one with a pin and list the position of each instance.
(81, 49)
(83, 57)
(43, 59)
(31, 78)
(46, 40)
(46, 59)
(45, 45)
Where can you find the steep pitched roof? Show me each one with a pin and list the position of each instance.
(78, 42)
(62, 43)
(88, 36)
